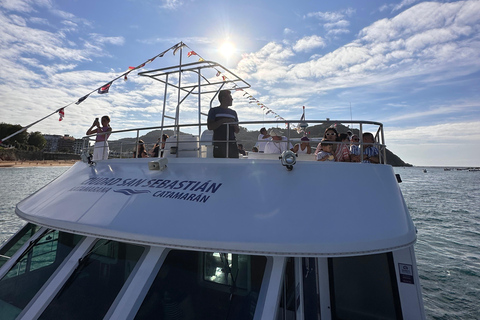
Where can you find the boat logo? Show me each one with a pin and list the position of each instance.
(129, 192)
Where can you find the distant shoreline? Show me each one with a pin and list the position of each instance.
(37, 163)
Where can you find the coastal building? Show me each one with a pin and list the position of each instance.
(66, 143)
(77, 146)
(52, 142)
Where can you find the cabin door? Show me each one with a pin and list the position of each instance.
(300, 292)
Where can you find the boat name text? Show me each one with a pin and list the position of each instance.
(185, 185)
(187, 190)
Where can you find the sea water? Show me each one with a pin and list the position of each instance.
(445, 207)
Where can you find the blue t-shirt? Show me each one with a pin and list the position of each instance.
(219, 113)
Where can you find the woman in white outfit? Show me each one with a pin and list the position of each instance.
(303, 147)
(100, 151)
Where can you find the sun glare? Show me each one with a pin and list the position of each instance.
(227, 49)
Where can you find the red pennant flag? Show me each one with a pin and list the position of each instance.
(224, 78)
(61, 113)
(105, 88)
(191, 53)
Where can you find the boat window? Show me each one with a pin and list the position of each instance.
(364, 287)
(287, 308)
(32, 270)
(311, 291)
(17, 241)
(93, 286)
(201, 285)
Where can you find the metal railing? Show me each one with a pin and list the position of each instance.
(125, 147)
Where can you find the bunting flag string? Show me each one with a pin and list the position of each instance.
(251, 98)
(106, 87)
(101, 90)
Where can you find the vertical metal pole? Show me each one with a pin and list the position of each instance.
(361, 142)
(199, 103)
(177, 113)
(160, 147)
(384, 160)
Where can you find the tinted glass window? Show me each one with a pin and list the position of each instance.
(287, 308)
(364, 287)
(16, 242)
(92, 288)
(200, 285)
(32, 270)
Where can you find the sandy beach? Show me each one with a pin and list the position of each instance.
(39, 163)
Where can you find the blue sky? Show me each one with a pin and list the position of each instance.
(412, 65)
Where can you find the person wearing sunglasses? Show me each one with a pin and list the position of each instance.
(330, 134)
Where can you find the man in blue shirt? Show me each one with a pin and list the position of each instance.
(218, 117)
(370, 152)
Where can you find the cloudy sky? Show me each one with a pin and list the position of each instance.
(412, 65)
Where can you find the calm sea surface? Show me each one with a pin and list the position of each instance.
(445, 206)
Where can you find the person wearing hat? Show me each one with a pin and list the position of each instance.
(278, 144)
(217, 120)
(303, 147)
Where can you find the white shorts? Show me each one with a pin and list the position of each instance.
(100, 150)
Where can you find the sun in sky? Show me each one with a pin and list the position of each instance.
(227, 49)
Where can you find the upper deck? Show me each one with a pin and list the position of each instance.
(260, 203)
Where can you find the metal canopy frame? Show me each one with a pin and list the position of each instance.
(171, 77)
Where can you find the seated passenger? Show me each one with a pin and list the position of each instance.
(141, 150)
(330, 134)
(303, 147)
(354, 148)
(326, 152)
(263, 138)
(370, 152)
(342, 152)
(278, 144)
(241, 150)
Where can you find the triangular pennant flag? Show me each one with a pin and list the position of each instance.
(105, 88)
(82, 99)
(224, 78)
(191, 53)
(201, 59)
(218, 73)
(61, 113)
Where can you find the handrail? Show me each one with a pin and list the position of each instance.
(290, 126)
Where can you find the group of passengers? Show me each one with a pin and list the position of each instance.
(158, 147)
(344, 147)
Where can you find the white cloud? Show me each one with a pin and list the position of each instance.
(171, 4)
(309, 43)
(16, 5)
(334, 22)
(403, 4)
(107, 40)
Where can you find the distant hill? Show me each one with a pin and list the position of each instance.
(248, 139)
